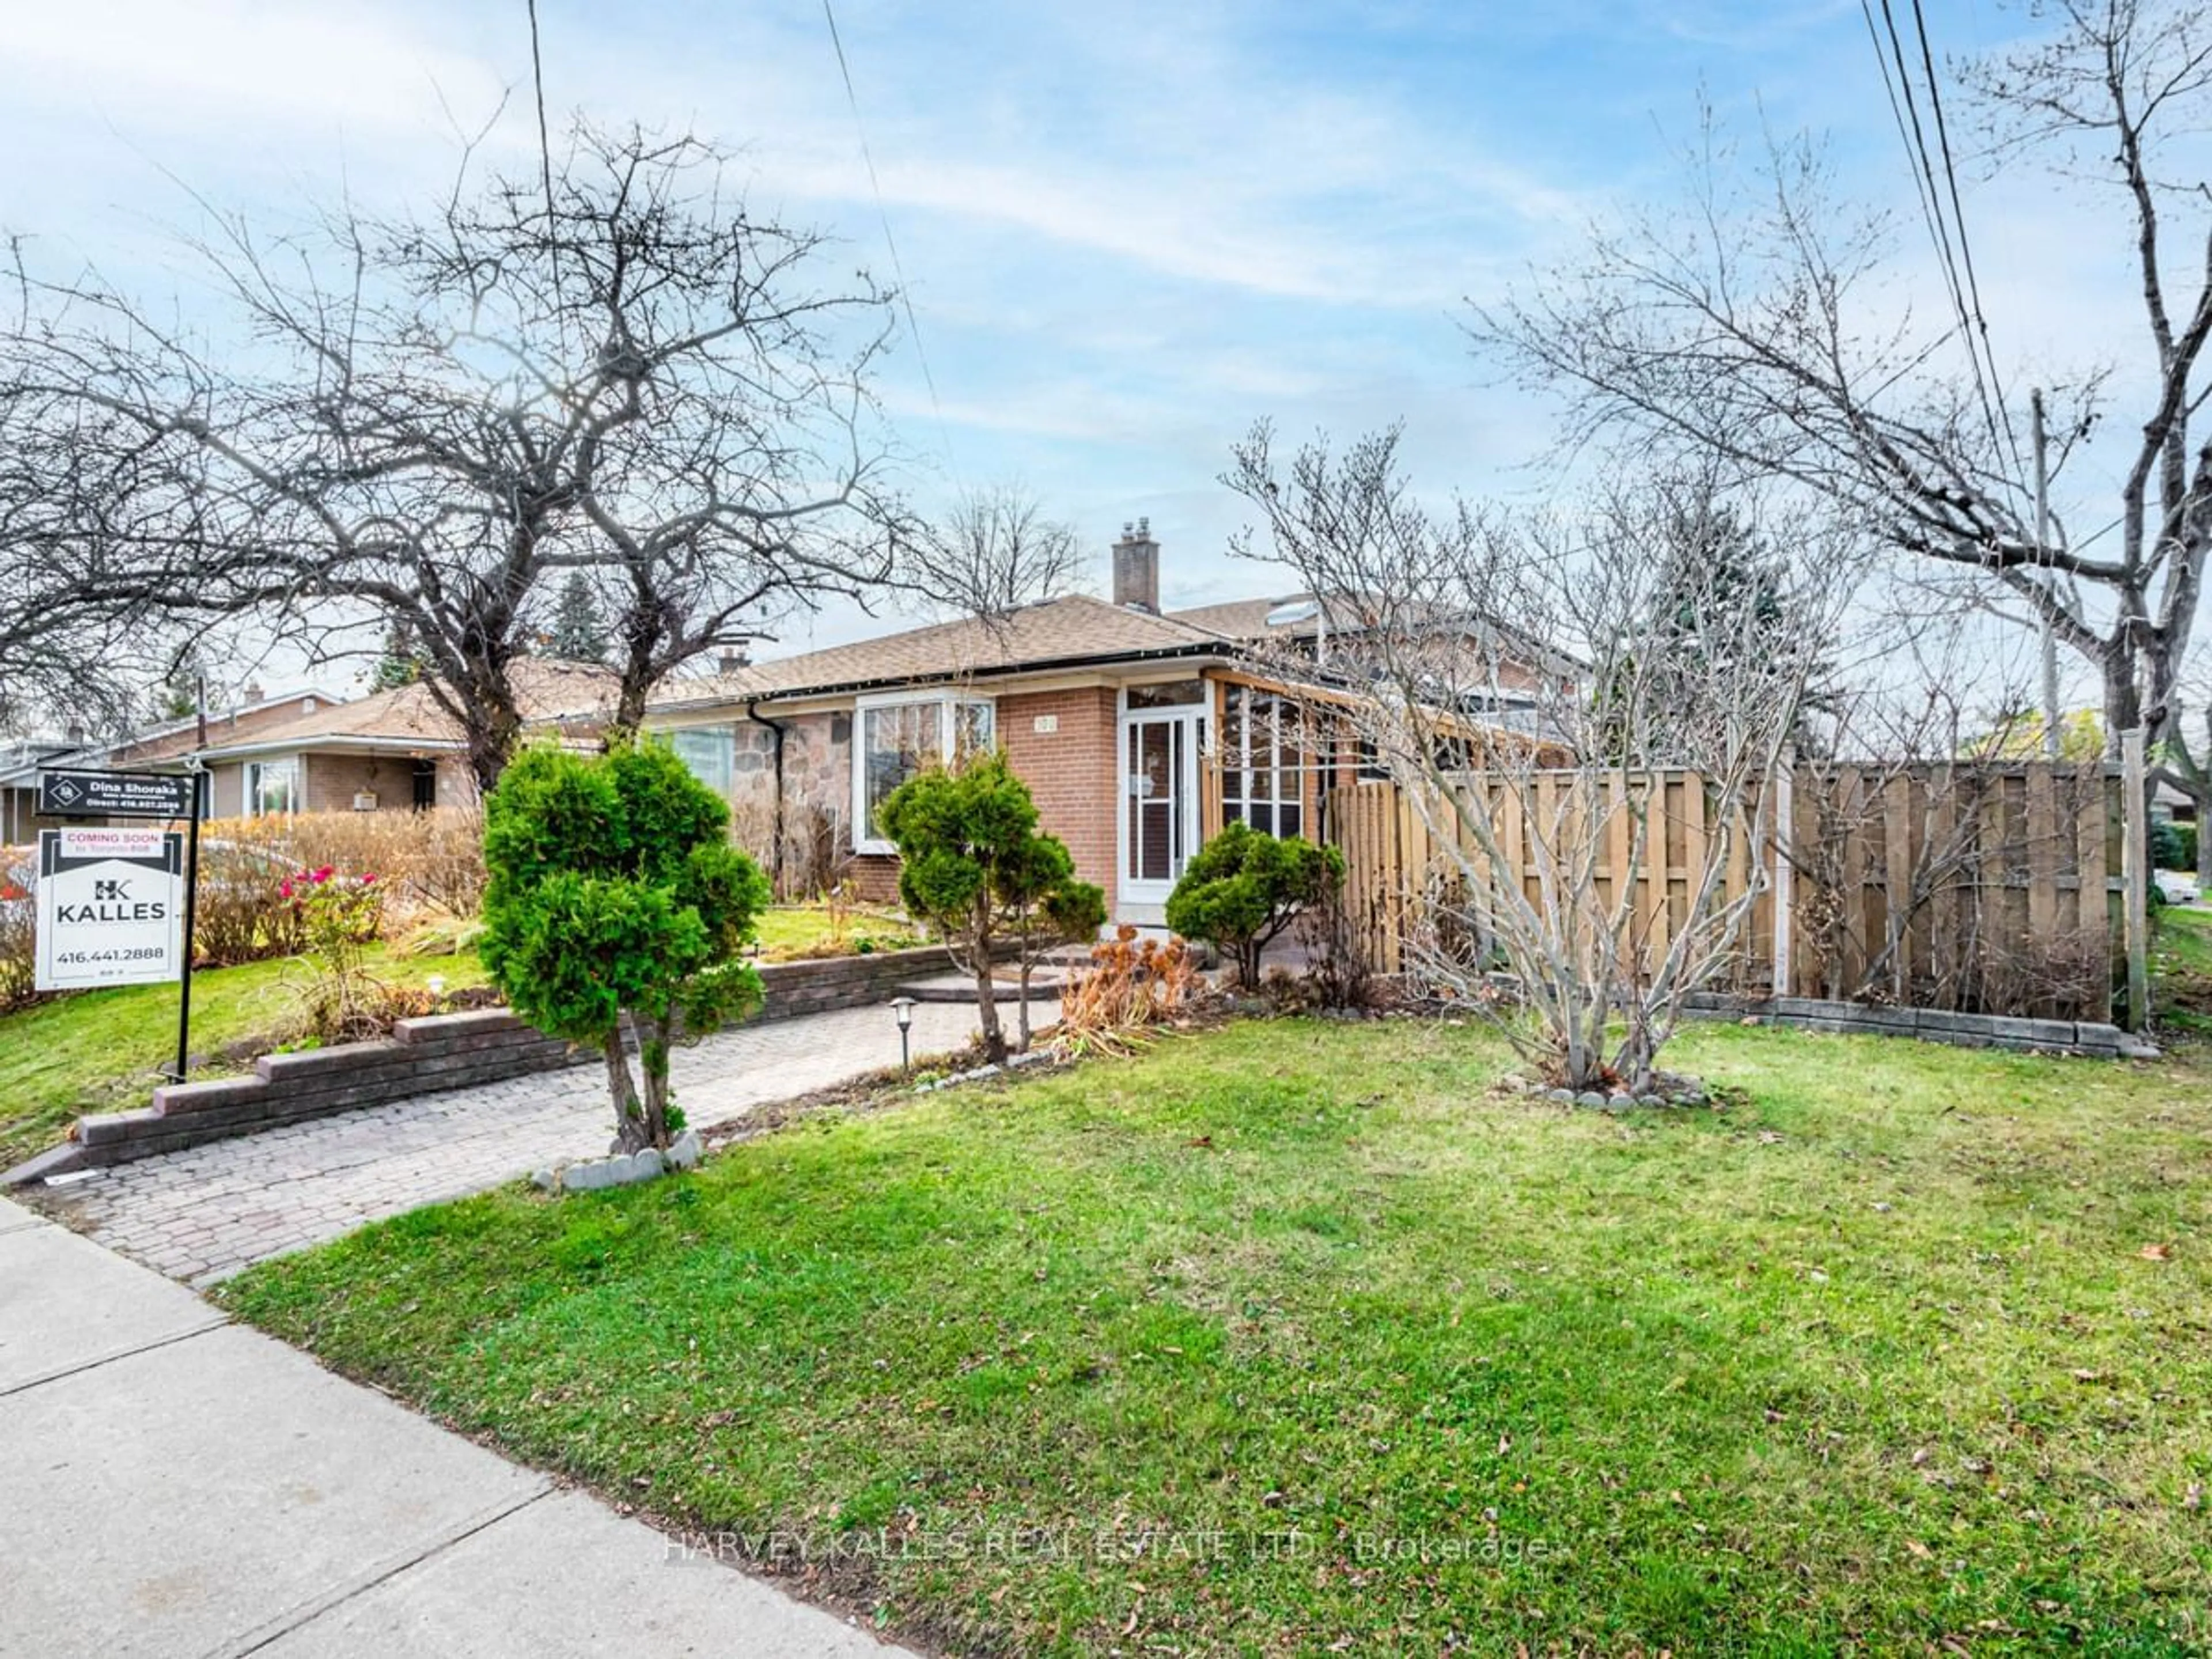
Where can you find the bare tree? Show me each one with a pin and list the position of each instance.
(1752, 326)
(995, 551)
(424, 421)
(83, 517)
(1540, 771)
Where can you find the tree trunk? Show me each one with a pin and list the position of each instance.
(654, 1058)
(2202, 797)
(2123, 700)
(987, 995)
(629, 1120)
(987, 1012)
(1021, 1010)
(492, 734)
(631, 697)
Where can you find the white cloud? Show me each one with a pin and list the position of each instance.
(235, 66)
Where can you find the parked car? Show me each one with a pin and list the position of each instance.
(2176, 887)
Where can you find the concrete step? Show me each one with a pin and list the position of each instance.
(1045, 985)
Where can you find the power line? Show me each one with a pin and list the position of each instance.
(906, 296)
(1959, 219)
(544, 142)
(1932, 207)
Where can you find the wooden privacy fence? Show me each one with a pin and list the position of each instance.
(1965, 887)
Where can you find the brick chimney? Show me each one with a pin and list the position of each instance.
(1137, 569)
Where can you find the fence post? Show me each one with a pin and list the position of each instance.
(1785, 875)
(2135, 895)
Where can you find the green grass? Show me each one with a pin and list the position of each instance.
(2181, 965)
(792, 930)
(1164, 1356)
(97, 1051)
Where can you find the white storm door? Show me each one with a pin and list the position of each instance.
(1159, 803)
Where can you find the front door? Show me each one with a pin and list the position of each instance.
(1159, 828)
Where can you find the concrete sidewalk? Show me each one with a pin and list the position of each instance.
(177, 1486)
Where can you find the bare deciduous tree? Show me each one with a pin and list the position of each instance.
(1514, 678)
(1753, 326)
(425, 421)
(83, 517)
(995, 551)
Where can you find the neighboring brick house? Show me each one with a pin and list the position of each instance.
(394, 751)
(1139, 732)
(157, 747)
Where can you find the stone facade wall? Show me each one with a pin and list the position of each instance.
(815, 835)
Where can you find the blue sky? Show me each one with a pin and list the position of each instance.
(1126, 229)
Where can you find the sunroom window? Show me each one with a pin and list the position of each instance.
(894, 739)
(1261, 763)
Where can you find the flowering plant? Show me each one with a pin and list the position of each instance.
(340, 917)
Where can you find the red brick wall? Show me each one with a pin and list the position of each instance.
(333, 780)
(222, 729)
(875, 876)
(1070, 771)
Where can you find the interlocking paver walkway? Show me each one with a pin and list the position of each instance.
(202, 1214)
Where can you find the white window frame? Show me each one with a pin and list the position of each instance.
(948, 701)
(725, 738)
(296, 764)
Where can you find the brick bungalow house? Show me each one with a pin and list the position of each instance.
(1139, 732)
(159, 747)
(393, 751)
(308, 752)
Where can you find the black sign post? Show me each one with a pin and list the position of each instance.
(142, 795)
(198, 780)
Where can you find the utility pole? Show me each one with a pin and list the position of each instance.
(2050, 715)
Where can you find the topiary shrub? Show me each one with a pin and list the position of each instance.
(975, 869)
(614, 892)
(1244, 887)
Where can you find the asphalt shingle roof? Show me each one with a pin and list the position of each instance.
(1077, 629)
(544, 690)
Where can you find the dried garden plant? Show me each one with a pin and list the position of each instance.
(1131, 987)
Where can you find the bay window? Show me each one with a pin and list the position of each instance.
(894, 738)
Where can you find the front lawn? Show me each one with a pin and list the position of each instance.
(790, 932)
(2181, 962)
(1295, 1339)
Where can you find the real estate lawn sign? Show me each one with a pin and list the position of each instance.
(110, 908)
(115, 906)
